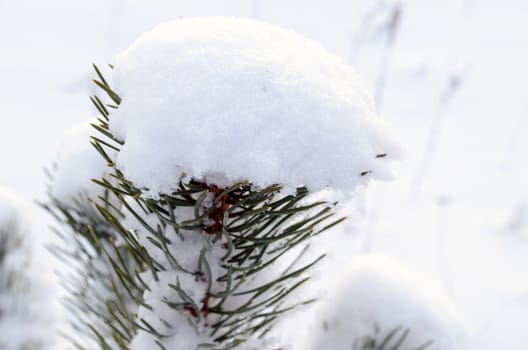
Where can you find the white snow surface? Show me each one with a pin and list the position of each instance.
(376, 292)
(77, 163)
(226, 99)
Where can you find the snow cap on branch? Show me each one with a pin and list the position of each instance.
(226, 99)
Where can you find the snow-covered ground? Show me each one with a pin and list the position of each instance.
(450, 76)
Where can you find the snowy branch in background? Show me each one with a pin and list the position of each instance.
(379, 304)
(26, 314)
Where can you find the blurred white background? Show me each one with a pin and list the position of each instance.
(451, 76)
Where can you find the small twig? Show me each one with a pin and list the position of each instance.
(452, 87)
(391, 32)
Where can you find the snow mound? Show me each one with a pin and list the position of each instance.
(77, 163)
(225, 99)
(377, 296)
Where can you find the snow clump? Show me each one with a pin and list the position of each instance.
(224, 99)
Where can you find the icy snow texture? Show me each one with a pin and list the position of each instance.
(25, 318)
(77, 163)
(225, 99)
(377, 292)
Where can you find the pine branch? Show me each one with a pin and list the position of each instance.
(251, 229)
